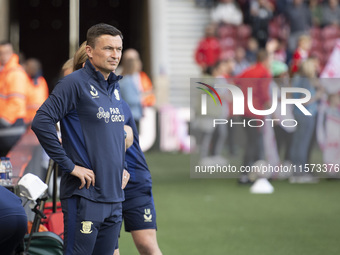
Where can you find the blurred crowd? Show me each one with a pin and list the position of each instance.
(22, 90)
(286, 43)
(239, 28)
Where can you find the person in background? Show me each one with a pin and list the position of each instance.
(328, 132)
(208, 50)
(316, 12)
(251, 50)
(38, 90)
(145, 84)
(303, 134)
(13, 221)
(213, 139)
(129, 87)
(283, 135)
(260, 72)
(280, 52)
(14, 84)
(261, 12)
(67, 67)
(241, 62)
(301, 53)
(300, 20)
(331, 13)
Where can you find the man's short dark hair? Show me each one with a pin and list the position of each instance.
(101, 29)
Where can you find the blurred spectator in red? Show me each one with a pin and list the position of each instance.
(252, 49)
(241, 63)
(301, 53)
(228, 12)
(208, 50)
(13, 90)
(316, 12)
(331, 13)
(261, 98)
(261, 12)
(38, 89)
(300, 20)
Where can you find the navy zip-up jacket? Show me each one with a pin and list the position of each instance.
(140, 182)
(89, 109)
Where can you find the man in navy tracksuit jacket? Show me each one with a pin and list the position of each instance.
(87, 103)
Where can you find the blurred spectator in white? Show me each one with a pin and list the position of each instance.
(241, 63)
(316, 12)
(251, 50)
(228, 12)
(261, 12)
(331, 13)
(300, 20)
(301, 53)
(208, 50)
(38, 89)
(302, 137)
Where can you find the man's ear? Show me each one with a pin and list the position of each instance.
(88, 49)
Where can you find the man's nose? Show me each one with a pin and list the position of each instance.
(115, 54)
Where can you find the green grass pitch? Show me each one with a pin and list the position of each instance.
(218, 216)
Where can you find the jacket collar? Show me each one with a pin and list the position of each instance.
(113, 78)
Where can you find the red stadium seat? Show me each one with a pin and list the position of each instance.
(227, 54)
(317, 45)
(243, 32)
(228, 43)
(274, 29)
(224, 31)
(328, 45)
(315, 32)
(330, 32)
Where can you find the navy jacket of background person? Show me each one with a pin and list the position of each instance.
(89, 109)
(140, 183)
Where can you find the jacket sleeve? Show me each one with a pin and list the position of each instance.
(63, 99)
